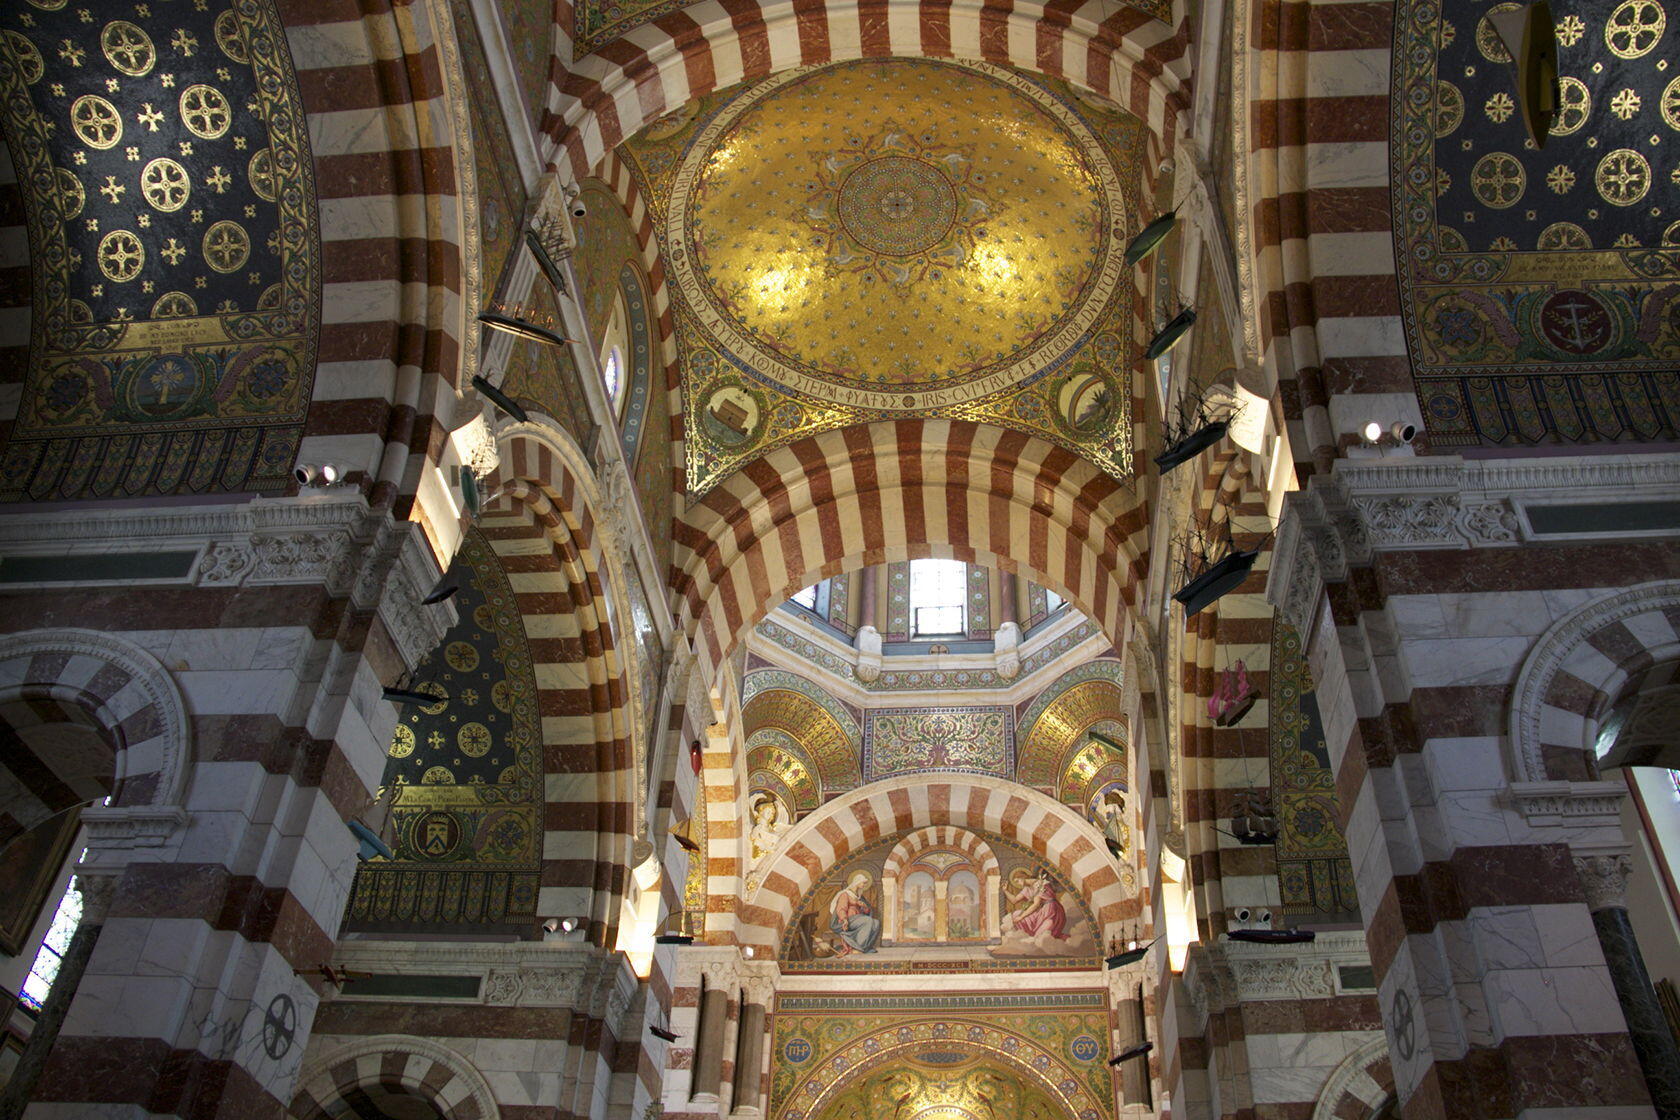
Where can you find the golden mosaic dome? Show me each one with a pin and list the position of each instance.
(896, 234)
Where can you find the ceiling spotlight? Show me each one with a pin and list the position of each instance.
(567, 925)
(1403, 431)
(747, 951)
(500, 399)
(305, 473)
(1372, 431)
(330, 474)
(1149, 238)
(1137, 1051)
(410, 696)
(1168, 336)
(552, 925)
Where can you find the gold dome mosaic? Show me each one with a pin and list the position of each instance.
(897, 237)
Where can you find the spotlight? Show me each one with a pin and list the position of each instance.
(662, 1032)
(1372, 431)
(330, 474)
(567, 925)
(1403, 431)
(1137, 1051)
(500, 399)
(1168, 336)
(1149, 238)
(440, 591)
(552, 925)
(747, 951)
(304, 473)
(410, 696)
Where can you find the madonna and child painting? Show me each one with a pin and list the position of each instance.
(959, 896)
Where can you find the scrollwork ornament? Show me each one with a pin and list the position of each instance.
(1604, 879)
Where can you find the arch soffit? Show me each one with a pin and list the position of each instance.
(817, 723)
(766, 531)
(127, 690)
(339, 1069)
(1076, 701)
(778, 760)
(1134, 60)
(1548, 695)
(1057, 834)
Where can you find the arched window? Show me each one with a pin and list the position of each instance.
(53, 947)
(813, 598)
(613, 373)
(938, 594)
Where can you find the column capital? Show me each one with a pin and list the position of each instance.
(1604, 878)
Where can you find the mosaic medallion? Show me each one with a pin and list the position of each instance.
(897, 206)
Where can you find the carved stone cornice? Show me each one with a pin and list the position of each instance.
(1366, 506)
(1584, 815)
(1604, 878)
(573, 975)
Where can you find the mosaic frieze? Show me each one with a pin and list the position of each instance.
(846, 248)
(936, 740)
(170, 202)
(1540, 286)
(467, 773)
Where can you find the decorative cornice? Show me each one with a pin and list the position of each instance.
(517, 974)
(1584, 815)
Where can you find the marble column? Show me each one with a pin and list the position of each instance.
(868, 638)
(868, 583)
(96, 893)
(749, 1056)
(1604, 878)
(1006, 611)
(1134, 1075)
(708, 1044)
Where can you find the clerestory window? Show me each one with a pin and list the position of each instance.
(938, 597)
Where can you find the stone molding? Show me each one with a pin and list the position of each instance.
(337, 541)
(1553, 648)
(1604, 879)
(1367, 506)
(1225, 973)
(566, 974)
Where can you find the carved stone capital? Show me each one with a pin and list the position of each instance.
(1604, 878)
(97, 891)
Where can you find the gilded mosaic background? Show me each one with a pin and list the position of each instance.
(896, 238)
(913, 740)
(1022, 1056)
(1540, 287)
(466, 815)
(171, 210)
(1314, 873)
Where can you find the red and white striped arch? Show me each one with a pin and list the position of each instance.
(543, 529)
(1066, 841)
(598, 102)
(909, 849)
(386, 123)
(898, 490)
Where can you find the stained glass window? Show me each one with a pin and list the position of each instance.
(53, 947)
(612, 372)
(937, 592)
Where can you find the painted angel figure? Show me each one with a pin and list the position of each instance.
(1034, 905)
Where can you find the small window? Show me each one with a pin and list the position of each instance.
(938, 592)
(53, 947)
(1053, 602)
(614, 377)
(612, 372)
(807, 598)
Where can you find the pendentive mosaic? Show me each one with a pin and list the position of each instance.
(1540, 286)
(171, 212)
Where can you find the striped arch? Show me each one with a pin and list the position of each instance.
(603, 99)
(1029, 818)
(906, 851)
(340, 1085)
(894, 491)
(395, 180)
(776, 762)
(544, 531)
(1596, 654)
(82, 715)
(1359, 1086)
